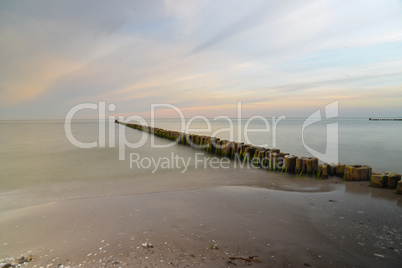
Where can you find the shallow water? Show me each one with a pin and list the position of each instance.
(38, 152)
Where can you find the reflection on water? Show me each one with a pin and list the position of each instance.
(363, 189)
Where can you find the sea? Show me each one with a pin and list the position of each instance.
(39, 155)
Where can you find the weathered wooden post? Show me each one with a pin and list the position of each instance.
(210, 147)
(299, 166)
(258, 159)
(340, 170)
(236, 149)
(175, 135)
(206, 143)
(379, 179)
(188, 139)
(331, 170)
(290, 163)
(203, 139)
(306, 165)
(399, 187)
(272, 154)
(278, 161)
(225, 148)
(357, 173)
(322, 171)
(181, 138)
(215, 145)
(218, 147)
(393, 179)
(193, 138)
(248, 153)
(242, 150)
(310, 164)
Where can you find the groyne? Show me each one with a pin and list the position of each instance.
(385, 119)
(275, 160)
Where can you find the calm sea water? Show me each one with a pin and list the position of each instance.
(38, 153)
(360, 141)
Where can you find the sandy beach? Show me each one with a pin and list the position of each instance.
(277, 219)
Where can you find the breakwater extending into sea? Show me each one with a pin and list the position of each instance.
(275, 160)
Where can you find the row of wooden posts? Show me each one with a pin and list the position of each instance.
(385, 119)
(275, 160)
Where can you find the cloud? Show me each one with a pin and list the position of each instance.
(232, 29)
(43, 42)
(199, 55)
(268, 27)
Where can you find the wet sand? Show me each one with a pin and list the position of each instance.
(282, 220)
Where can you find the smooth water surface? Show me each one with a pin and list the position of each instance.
(38, 152)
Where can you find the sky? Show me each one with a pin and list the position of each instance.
(287, 57)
